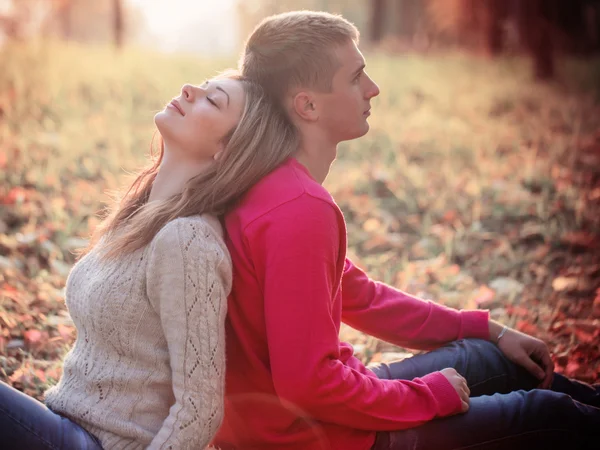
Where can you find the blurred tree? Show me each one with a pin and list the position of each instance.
(63, 14)
(376, 27)
(8, 26)
(494, 13)
(118, 22)
(21, 18)
(535, 19)
(80, 20)
(408, 15)
(481, 24)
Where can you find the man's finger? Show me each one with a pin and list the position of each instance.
(548, 366)
(532, 368)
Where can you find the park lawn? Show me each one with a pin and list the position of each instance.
(476, 187)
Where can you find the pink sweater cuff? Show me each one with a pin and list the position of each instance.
(474, 324)
(448, 401)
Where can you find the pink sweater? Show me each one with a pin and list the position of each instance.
(291, 383)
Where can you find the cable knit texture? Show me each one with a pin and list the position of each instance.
(147, 368)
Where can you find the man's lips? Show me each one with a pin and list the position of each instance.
(367, 112)
(175, 104)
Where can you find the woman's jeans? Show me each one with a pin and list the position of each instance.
(506, 410)
(26, 424)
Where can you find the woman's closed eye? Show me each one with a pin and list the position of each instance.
(212, 102)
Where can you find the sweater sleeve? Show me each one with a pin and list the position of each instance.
(296, 250)
(403, 319)
(188, 280)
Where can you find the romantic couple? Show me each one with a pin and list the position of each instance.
(208, 305)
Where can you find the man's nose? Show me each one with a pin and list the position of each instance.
(373, 90)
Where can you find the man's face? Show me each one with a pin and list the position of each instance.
(344, 111)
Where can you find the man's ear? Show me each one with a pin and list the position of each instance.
(304, 104)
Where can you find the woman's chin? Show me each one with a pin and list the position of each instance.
(159, 118)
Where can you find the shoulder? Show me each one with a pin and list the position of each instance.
(199, 225)
(289, 189)
(178, 234)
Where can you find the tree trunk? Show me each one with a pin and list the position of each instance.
(9, 26)
(535, 33)
(118, 23)
(468, 31)
(65, 18)
(492, 26)
(377, 22)
(407, 18)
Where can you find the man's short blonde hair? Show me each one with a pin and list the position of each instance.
(296, 49)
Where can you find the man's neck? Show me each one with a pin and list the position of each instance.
(316, 155)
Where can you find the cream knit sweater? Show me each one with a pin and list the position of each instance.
(147, 368)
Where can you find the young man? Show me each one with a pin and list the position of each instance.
(291, 384)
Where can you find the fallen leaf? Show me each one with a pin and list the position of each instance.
(596, 305)
(570, 284)
(34, 339)
(527, 327)
(484, 296)
(371, 225)
(65, 332)
(581, 239)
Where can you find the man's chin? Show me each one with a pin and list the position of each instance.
(364, 129)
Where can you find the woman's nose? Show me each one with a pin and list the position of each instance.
(187, 92)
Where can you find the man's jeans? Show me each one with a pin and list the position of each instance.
(26, 424)
(506, 411)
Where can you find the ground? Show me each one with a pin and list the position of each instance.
(476, 187)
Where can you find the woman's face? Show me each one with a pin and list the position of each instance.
(194, 124)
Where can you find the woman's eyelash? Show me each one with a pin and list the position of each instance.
(212, 101)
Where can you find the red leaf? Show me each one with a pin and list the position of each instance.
(572, 368)
(596, 305)
(35, 338)
(484, 295)
(65, 332)
(527, 327)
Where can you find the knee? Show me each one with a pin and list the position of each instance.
(381, 369)
(480, 348)
(548, 404)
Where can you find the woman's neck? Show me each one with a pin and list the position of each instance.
(172, 176)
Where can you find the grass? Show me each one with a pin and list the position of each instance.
(471, 173)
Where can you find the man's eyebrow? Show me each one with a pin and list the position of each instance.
(359, 70)
(223, 91)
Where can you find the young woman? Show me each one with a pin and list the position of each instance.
(149, 296)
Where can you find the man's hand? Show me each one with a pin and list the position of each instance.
(460, 386)
(526, 351)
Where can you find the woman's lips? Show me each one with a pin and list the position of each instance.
(175, 104)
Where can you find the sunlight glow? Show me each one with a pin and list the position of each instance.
(207, 27)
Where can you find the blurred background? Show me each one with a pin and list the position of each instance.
(478, 185)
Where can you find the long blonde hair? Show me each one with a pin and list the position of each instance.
(263, 139)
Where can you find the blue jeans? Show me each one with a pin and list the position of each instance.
(26, 424)
(506, 410)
